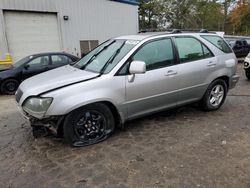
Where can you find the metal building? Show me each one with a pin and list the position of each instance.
(73, 26)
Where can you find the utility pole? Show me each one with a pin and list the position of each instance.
(225, 14)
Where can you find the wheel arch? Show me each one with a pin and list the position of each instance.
(11, 78)
(118, 119)
(225, 78)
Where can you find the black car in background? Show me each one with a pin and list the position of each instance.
(30, 66)
(240, 47)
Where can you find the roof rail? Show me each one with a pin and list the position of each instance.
(173, 31)
(190, 31)
(204, 31)
(176, 31)
(147, 30)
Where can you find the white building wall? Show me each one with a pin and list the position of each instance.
(88, 20)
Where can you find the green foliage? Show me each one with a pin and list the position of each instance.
(147, 14)
(209, 15)
(181, 14)
(240, 19)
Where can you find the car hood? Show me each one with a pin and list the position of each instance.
(5, 68)
(54, 79)
(6, 73)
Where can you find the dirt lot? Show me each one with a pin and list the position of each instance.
(179, 148)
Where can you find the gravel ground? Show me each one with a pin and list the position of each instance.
(184, 147)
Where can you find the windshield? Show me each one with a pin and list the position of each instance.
(22, 61)
(106, 56)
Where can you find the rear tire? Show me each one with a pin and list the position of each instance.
(9, 86)
(88, 125)
(247, 74)
(214, 96)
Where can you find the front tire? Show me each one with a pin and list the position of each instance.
(247, 74)
(9, 86)
(88, 125)
(214, 96)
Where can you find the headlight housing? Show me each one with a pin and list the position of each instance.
(246, 65)
(37, 106)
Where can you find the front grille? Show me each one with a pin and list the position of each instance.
(19, 94)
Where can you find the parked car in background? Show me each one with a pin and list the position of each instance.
(30, 66)
(247, 66)
(126, 78)
(240, 47)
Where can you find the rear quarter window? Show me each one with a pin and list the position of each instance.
(190, 49)
(218, 42)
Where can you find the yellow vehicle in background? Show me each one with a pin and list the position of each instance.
(6, 63)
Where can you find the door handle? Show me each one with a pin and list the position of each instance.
(171, 73)
(211, 64)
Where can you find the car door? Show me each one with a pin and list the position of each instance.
(156, 88)
(59, 60)
(197, 63)
(35, 66)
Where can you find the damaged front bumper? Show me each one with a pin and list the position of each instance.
(44, 127)
(48, 126)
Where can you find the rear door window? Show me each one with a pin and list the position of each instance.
(191, 49)
(218, 42)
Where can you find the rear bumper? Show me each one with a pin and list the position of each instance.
(233, 81)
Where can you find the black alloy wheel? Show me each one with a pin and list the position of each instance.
(9, 86)
(88, 125)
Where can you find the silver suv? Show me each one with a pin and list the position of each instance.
(125, 78)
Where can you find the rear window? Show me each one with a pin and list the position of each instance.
(218, 42)
(244, 42)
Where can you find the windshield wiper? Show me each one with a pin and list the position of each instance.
(111, 59)
(96, 54)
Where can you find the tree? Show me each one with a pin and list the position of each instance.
(240, 18)
(183, 14)
(209, 15)
(227, 5)
(148, 11)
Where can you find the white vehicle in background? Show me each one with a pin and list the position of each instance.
(247, 66)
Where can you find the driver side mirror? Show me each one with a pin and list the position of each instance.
(27, 66)
(136, 67)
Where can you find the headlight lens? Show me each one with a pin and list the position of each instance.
(37, 107)
(246, 65)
